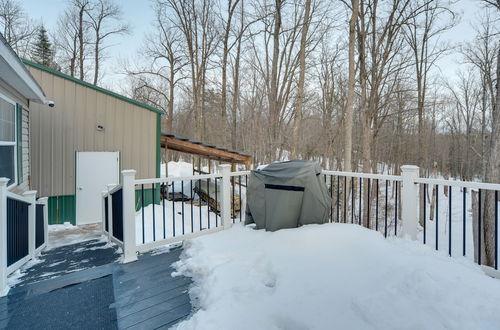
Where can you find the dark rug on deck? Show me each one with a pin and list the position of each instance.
(81, 306)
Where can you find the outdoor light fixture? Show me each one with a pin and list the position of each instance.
(100, 128)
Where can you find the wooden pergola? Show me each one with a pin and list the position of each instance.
(205, 150)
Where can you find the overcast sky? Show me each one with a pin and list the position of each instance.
(139, 14)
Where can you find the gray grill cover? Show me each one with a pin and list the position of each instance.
(287, 195)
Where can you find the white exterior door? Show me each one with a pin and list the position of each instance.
(94, 171)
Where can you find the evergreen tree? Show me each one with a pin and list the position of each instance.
(43, 52)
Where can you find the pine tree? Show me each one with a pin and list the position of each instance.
(42, 49)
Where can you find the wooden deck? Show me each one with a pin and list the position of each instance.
(139, 295)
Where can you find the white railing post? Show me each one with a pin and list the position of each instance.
(103, 216)
(31, 195)
(409, 201)
(129, 240)
(4, 289)
(45, 202)
(110, 212)
(225, 170)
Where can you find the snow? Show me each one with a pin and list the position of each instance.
(61, 235)
(182, 225)
(332, 276)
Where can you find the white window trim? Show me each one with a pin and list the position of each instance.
(4, 143)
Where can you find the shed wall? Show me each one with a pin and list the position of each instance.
(71, 126)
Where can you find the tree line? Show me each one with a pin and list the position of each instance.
(354, 84)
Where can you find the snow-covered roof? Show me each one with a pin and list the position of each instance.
(15, 74)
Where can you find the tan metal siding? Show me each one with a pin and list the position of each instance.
(71, 126)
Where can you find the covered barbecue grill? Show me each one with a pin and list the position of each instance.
(287, 195)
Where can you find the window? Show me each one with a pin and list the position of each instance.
(8, 155)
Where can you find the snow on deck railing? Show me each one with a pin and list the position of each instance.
(23, 230)
(159, 211)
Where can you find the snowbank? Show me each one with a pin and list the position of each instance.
(332, 276)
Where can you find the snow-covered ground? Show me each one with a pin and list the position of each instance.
(66, 234)
(332, 276)
(196, 217)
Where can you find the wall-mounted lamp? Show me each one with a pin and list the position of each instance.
(100, 128)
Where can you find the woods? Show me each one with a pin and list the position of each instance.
(357, 85)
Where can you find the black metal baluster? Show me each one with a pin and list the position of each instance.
(449, 221)
(199, 204)
(182, 216)
(396, 210)
(386, 202)
(191, 195)
(338, 198)
(360, 192)
(233, 211)
(437, 217)
(496, 229)
(154, 206)
(344, 220)
(425, 211)
(209, 200)
(368, 204)
(216, 205)
(239, 190)
(173, 208)
(352, 199)
(479, 225)
(376, 209)
(463, 219)
(163, 203)
(142, 204)
(331, 197)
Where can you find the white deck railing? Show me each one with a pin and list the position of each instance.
(388, 203)
(19, 241)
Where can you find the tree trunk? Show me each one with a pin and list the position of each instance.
(351, 85)
(297, 122)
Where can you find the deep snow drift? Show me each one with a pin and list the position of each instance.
(332, 276)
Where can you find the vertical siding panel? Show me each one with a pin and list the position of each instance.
(109, 124)
(58, 131)
(47, 141)
(69, 136)
(100, 120)
(90, 114)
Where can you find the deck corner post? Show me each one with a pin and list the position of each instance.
(4, 289)
(45, 202)
(129, 239)
(409, 200)
(225, 171)
(31, 195)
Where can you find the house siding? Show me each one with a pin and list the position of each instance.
(24, 185)
(71, 126)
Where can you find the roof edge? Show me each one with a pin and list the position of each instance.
(89, 85)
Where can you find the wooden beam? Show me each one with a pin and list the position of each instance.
(201, 150)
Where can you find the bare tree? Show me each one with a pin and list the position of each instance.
(105, 21)
(17, 28)
(351, 86)
(422, 32)
(297, 120)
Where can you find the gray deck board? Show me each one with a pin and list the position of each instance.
(144, 295)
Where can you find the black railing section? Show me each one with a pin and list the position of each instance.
(372, 203)
(483, 206)
(17, 230)
(182, 207)
(39, 227)
(117, 213)
(106, 215)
